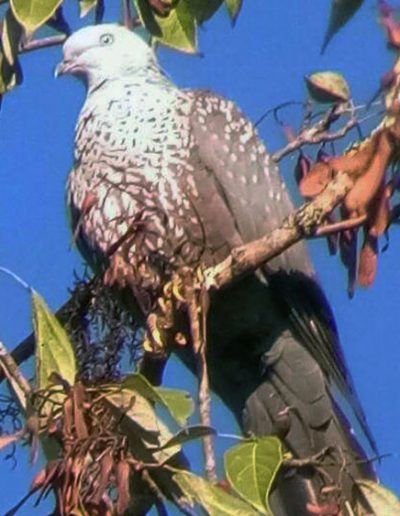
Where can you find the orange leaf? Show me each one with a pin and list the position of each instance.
(355, 161)
(379, 218)
(367, 186)
(316, 180)
(368, 263)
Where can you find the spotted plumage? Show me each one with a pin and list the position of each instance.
(165, 178)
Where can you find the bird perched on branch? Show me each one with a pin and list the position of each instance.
(166, 178)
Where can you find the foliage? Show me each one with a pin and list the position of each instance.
(251, 469)
(107, 433)
(381, 499)
(172, 23)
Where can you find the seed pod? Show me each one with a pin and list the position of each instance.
(328, 87)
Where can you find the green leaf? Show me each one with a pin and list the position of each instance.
(213, 499)
(203, 11)
(147, 17)
(11, 74)
(10, 37)
(328, 87)
(251, 468)
(34, 13)
(146, 432)
(177, 30)
(189, 434)
(54, 350)
(234, 7)
(341, 12)
(382, 501)
(178, 403)
(85, 6)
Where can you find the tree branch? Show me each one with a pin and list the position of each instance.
(298, 225)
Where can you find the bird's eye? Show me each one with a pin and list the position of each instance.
(106, 39)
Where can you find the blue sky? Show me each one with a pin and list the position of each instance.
(260, 63)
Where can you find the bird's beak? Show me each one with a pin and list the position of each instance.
(63, 68)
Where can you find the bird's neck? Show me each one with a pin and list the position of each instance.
(138, 77)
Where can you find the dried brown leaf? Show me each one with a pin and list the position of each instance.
(368, 263)
(68, 418)
(379, 218)
(316, 180)
(79, 411)
(103, 479)
(122, 474)
(367, 186)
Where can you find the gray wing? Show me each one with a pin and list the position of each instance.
(229, 146)
(250, 184)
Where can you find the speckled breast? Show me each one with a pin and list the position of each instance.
(132, 147)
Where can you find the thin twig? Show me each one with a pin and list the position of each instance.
(315, 135)
(197, 309)
(37, 44)
(129, 20)
(14, 375)
(340, 226)
(127, 13)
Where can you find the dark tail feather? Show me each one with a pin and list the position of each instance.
(293, 402)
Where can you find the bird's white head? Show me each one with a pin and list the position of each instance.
(103, 52)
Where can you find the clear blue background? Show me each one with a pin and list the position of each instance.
(260, 63)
